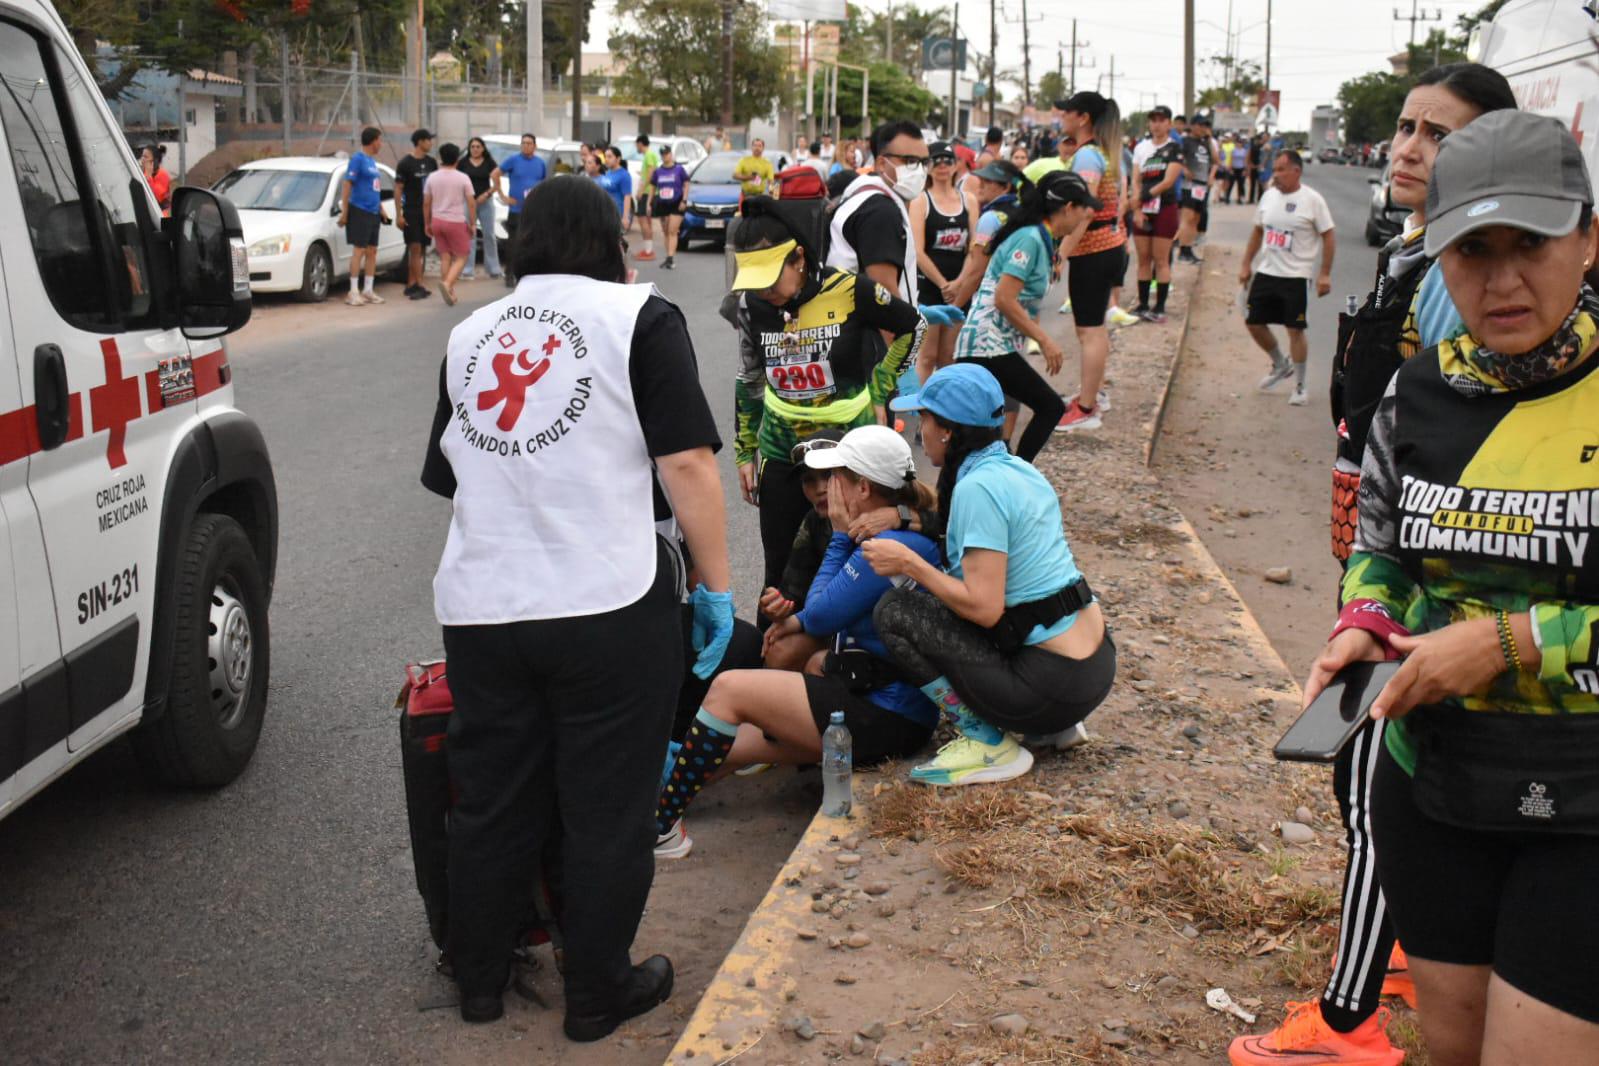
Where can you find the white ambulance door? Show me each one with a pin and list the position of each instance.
(118, 389)
(14, 431)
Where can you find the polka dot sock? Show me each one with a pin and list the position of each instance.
(705, 747)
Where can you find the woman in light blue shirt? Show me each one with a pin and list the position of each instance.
(1007, 638)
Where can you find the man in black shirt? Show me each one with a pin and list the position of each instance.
(871, 231)
(410, 175)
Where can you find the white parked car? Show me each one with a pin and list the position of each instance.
(290, 210)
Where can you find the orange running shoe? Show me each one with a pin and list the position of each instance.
(1303, 1039)
(1398, 982)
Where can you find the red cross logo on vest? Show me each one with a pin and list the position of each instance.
(113, 405)
(513, 376)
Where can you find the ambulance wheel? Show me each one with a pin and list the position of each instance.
(318, 275)
(216, 697)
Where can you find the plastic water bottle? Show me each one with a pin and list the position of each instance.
(1352, 305)
(838, 765)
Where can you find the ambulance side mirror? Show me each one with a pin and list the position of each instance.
(212, 272)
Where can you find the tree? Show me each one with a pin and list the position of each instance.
(664, 53)
(1371, 105)
(1239, 83)
(894, 96)
(1051, 87)
(866, 35)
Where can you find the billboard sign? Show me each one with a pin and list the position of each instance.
(806, 11)
(942, 53)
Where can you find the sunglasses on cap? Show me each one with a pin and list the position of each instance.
(798, 452)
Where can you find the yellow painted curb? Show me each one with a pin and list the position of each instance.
(742, 1002)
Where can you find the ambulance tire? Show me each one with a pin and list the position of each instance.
(318, 278)
(216, 698)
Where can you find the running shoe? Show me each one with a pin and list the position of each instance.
(675, 843)
(1398, 982)
(1298, 398)
(1101, 401)
(668, 263)
(1118, 318)
(354, 300)
(371, 297)
(1065, 740)
(1303, 1039)
(1032, 347)
(1187, 256)
(964, 761)
(1076, 418)
(1066, 308)
(1157, 318)
(1280, 372)
(644, 254)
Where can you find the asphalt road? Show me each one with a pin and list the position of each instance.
(277, 920)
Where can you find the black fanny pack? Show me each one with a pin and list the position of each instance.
(860, 670)
(1507, 772)
(1010, 633)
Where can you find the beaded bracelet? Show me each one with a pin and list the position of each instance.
(1507, 641)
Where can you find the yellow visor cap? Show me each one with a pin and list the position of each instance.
(761, 268)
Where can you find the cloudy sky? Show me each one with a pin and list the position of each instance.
(1316, 44)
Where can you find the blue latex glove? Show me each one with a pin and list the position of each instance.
(942, 315)
(713, 628)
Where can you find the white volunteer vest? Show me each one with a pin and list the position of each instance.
(554, 516)
(841, 254)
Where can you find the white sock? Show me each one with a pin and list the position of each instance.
(1277, 358)
(649, 245)
(1299, 375)
(369, 279)
(355, 284)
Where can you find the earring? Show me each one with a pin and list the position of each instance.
(944, 439)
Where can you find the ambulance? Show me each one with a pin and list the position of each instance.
(138, 510)
(1549, 52)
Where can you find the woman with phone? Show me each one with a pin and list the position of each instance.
(1475, 560)
(1374, 343)
(1007, 638)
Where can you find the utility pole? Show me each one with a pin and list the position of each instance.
(727, 64)
(1112, 93)
(1418, 14)
(993, 55)
(1268, 49)
(954, 54)
(535, 66)
(1071, 82)
(578, 34)
(1027, 54)
(1188, 54)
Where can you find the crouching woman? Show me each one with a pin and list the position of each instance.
(773, 716)
(1009, 638)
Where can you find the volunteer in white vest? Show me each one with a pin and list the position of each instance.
(560, 405)
(871, 227)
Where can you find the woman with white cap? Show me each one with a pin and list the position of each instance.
(1476, 560)
(773, 716)
(1009, 637)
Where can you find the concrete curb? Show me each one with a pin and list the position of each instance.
(742, 1001)
(1171, 372)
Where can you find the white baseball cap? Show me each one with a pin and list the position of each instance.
(876, 453)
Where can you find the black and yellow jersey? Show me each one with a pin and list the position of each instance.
(1475, 499)
(814, 364)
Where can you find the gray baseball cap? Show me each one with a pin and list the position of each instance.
(1508, 168)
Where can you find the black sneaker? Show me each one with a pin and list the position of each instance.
(667, 264)
(410, 291)
(1187, 256)
(649, 986)
(479, 1010)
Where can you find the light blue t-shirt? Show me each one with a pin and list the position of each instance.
(1028, 254)
(1436, 317)
(1090, 162)
(522, 172)
(1004, 504)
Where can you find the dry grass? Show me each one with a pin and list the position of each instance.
(994, 838)
(982, 1047)
(1405, 1032)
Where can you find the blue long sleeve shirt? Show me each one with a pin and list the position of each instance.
(840, 603)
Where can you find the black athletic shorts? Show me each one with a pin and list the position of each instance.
(666, 209)
(1519, 902)
(1192, 202)
(414, 232)
(875, 733)
(641, 205)
(1091, 280)
(1275, 301)
(361, 228)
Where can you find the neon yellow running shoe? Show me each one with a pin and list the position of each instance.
(964, 761)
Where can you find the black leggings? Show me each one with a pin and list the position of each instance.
(1018, 379)
(1034, 691)
(783, 507)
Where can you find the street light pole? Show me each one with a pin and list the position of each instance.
(577, 69)
(954, 54)
(1188, 56)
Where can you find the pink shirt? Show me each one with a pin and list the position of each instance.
(449, 190)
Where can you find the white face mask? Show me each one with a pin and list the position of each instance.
(909, 180)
